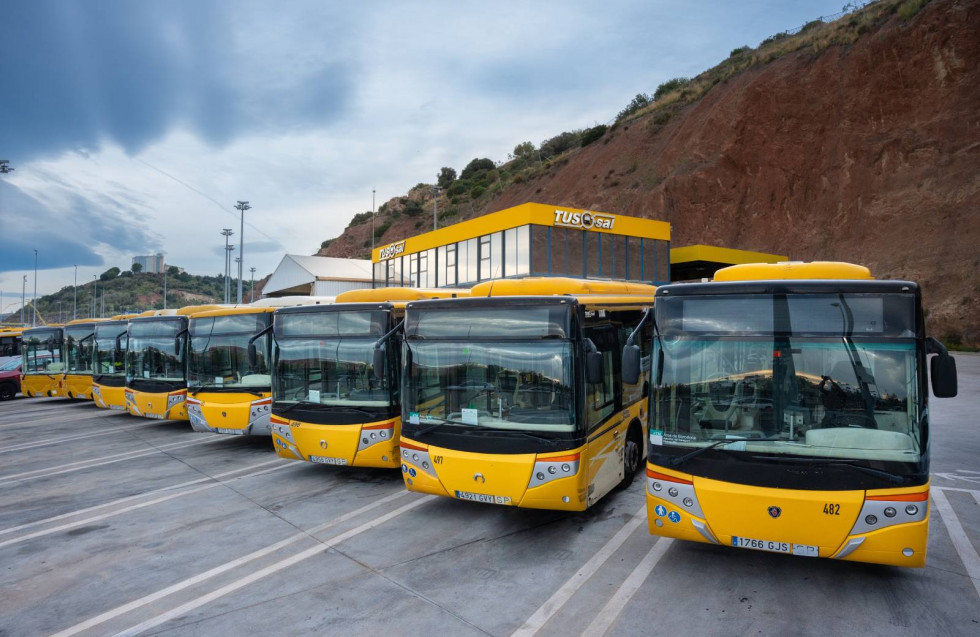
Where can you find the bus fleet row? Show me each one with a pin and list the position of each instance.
(780, 407)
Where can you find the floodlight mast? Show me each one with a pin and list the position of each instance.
(242, 206)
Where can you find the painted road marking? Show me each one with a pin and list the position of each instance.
(547, 610)
(227, 566)
(141, 505)
(97, 462)
(54, 441)
(968, 554)
(614, 607)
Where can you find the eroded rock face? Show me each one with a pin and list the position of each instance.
(868, 152)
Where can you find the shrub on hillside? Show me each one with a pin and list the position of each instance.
(592, 134)
(641, 100)
(559, 144)
(476, 165)
(670, 86)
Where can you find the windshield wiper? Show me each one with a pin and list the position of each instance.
(679, 460)
(520, 432)
(358, 410)
(831, 462)
(297, 404)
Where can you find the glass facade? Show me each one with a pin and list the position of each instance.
(530, 250)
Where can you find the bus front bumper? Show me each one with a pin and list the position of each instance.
(222, 414)
(168, 406)
(372, 444)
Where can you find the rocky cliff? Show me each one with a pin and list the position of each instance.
(859, 141)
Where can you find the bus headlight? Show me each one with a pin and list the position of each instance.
(911, 509)
(890, 512)
(546, 469)
(881, 511)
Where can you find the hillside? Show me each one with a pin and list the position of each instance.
(126, 291)
(854, 140)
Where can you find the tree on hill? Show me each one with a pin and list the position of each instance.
(446, 177)
(137, 268)
(109, 274)
(475, 166)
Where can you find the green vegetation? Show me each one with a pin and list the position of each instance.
(640, 101)
(593, 134)
(445, 177)
(475, 166)
(127, 292)
(359, 218)
(670, 86)
(908, 9)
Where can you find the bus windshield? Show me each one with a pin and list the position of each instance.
(110, 360)
(810, 376)
(151, 353)
(78, 349)
(42, 352)
(509, 385)
(218, 353)
(331, 371)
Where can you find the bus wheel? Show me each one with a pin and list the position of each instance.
(631, 457)
(6, 391)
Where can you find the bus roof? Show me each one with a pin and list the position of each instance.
(393, 294)
(85, 321)
(544, 286)
(289, 301)
(793, 270)
(230, 311)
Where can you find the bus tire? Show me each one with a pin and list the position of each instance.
(632, 456)
(7, 391)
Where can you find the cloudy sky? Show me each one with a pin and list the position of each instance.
(134, 126)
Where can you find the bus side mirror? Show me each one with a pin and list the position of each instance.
(593, 368)
(631, 364)
(178, 345)
(942, 368)
(380, 354)
(253, 355)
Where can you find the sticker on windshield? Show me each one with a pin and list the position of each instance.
(314, 395)
(413, 417)
(219, 380)
(678, 437)
(656, 437)
(469, 416)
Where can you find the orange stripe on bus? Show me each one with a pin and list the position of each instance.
(905, 497)
(389, 425)
(572, 458)
(409, 445)
(663, 476)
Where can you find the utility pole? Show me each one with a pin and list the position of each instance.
(242, 207)
(23, 299)
(95, 292)
(34, 301)
(74, 305)
(435, 206)
(227, 232)
(238, 260)
(372, 221)
(251, 298)
(164, 287)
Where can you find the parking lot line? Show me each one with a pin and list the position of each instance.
(611, 611)
(134, 507)
(227, 566)
(98, 462)
(968, 555)
(54, 441)
(130, 498)
(554, 603)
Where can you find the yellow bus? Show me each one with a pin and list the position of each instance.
(514, 396)
(10, 342)
(79, 347)
(109, 363)
(156, 353)
(330, 403)
(229, 389)
(43, 350)
(789, 412)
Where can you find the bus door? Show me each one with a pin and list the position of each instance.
(606, 431)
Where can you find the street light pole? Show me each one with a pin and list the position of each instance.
(34, 301)
(164, 287)
(435, 206)
(23, 299)
(227, 232)
(74, 305)
(95, 292)
(251, 298)
(242, 207)
(372, 221)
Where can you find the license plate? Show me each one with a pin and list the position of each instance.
(233, 432)
(117, 408)
(328, 460)
(482, 497)
(154, 416)
(775, 547)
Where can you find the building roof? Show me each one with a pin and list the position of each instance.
(301, 271)
(691, 263)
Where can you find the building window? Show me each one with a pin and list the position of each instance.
(485, 271)
(450, 261)
(496, 255)
(593, 253)
(413, 269)
(575, 253)
(523, 250)
(472, 261)
(423, 279)
(634, 259)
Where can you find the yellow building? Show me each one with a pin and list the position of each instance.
(529, 239)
